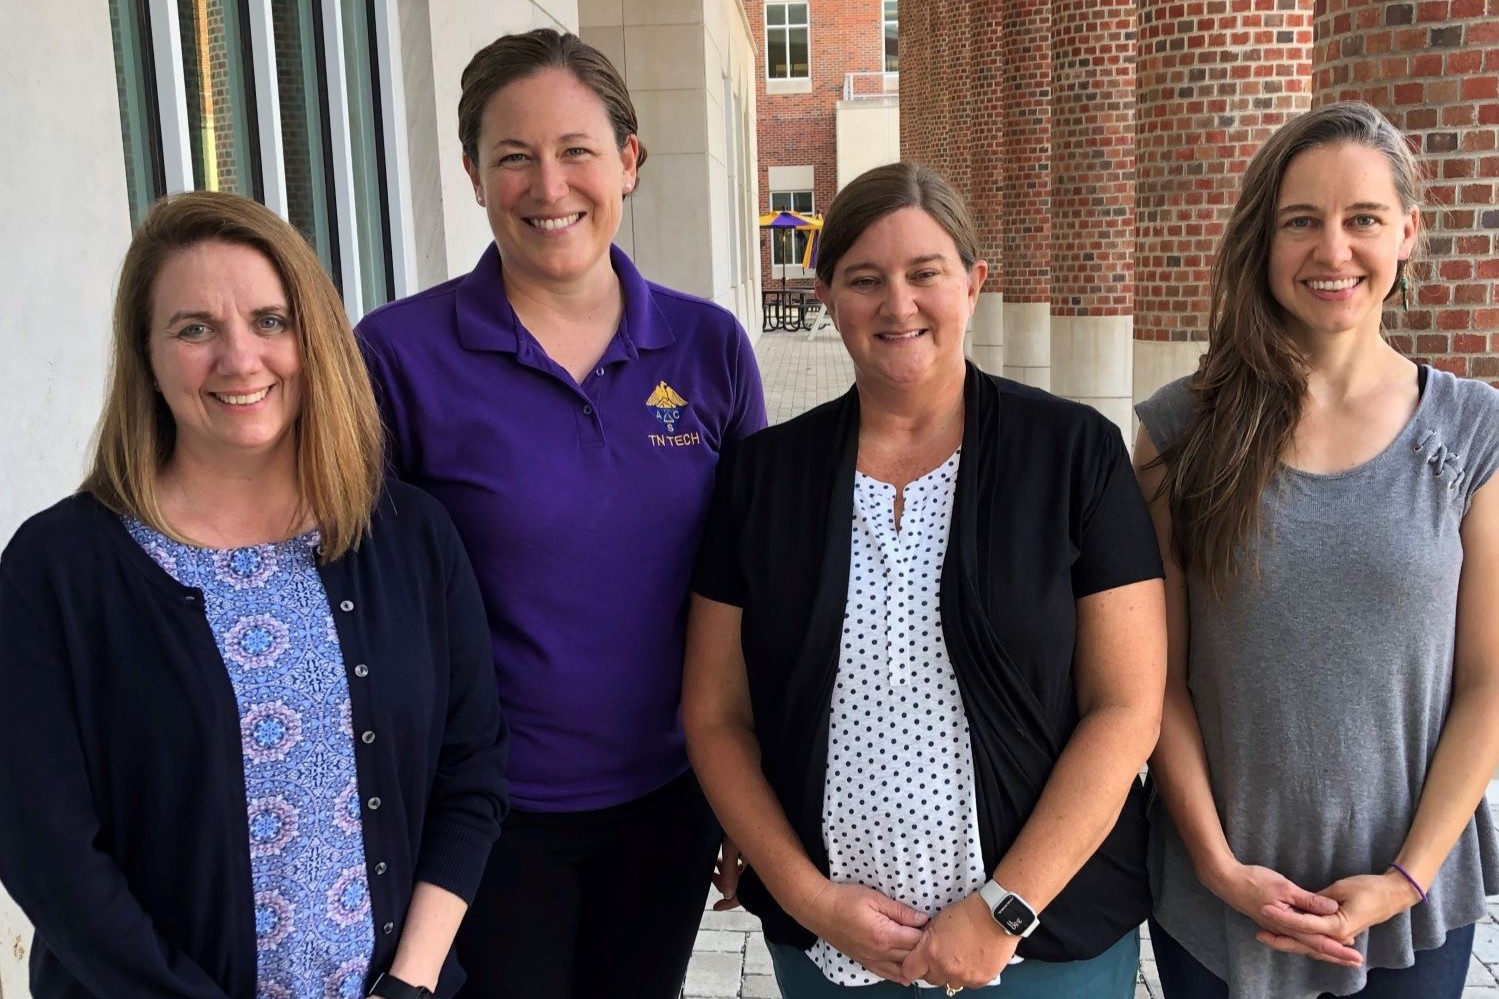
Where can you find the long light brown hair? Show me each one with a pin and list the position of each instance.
(339, 454)
(1248, 389)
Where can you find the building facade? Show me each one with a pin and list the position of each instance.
(342, 116)
(1100, 143)
(828, 108)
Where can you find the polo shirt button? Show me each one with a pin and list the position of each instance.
(388, 928)
(380, 868)
(374, 803)
(361, 670)
(600, 371)
(368, 738)
(347, 605)
(587, 410)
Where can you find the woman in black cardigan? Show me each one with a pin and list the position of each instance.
(249, 739)
(927, 648)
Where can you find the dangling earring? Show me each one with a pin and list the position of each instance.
(1405, 298)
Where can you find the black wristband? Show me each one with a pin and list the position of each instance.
(388, 986)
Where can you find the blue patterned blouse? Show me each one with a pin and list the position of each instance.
(271, 620)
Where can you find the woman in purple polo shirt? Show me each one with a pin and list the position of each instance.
(570, 414)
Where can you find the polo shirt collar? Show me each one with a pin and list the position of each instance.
(487, 321)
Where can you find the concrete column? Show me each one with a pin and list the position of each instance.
(1210, 91)
(986, 332)
(1433, 69)
(1093, 203)
(1026, 239)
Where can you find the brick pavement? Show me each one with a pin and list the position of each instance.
(729, 960)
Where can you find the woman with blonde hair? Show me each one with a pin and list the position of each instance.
(1331, 537)
(249, 743)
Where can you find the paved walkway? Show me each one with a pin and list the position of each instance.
(730, 960)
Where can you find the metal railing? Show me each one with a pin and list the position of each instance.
(865, 86)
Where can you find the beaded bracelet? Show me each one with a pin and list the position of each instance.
(1407, 875)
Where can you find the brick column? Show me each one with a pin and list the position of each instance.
(1433, 68)
(934, 87)
(1026, 239)
(1211, 90)
(1093, 203)
(986, 155)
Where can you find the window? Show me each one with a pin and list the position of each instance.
(278, 100)
(892, 37)
(786, 44)
(787, 246)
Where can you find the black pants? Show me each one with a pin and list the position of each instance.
(592, 905)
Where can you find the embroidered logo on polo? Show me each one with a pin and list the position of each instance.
(668, 407)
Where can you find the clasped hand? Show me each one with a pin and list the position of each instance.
(1321, 925)
(961, 946)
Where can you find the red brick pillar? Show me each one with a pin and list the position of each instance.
(986, 157)
(934, 87)
(1026, 237)
(1211, 89)
(1433, 68)
(1093, 203)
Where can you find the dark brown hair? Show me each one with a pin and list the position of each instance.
(339, 439)
(1248, 389)
(883, 191)
(514, 57)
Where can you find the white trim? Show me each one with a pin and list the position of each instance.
(387, 45)
(268, 106)
(171, 95)
(341, 149)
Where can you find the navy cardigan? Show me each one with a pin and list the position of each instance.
(123, 830)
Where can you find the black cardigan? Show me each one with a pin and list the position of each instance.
(1047, 510)
(123, 830)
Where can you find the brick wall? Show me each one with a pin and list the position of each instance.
(984, 137)
(1027, 137)
(1214, 81)
(1093, 157)
(936, 87)
(1433, 67)
(847, 36)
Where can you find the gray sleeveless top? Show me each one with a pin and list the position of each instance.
(1321, 688)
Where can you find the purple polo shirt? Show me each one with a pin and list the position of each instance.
(581, 507)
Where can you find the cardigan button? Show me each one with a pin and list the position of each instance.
(347, 605)
(388, 928)
(380, 868)
(361, 670)
(374, 803)
(367, 738)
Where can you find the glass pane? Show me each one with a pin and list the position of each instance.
(135, 85)
(796, 13)
(892, 47)
(776, 67)
(891, 6)
(369, 154)
(780, 201)
(220, 115)
(802, 200)
(304, 125)
(798, 48)
(775, 13)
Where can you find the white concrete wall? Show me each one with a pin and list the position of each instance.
(986, 332)
(456, 30)
(1158, 362)
(1092, 360)
(63, 231)
(868, 135)
(1028, 343)
(685, 62)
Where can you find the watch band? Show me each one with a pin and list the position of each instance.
(1015, 915)
(388, 986)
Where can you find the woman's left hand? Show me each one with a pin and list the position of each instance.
(726, 873)
(1364, 900)
(962, 947)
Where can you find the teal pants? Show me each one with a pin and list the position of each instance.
(1110, 975)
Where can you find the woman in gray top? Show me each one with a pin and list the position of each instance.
(1330, 540)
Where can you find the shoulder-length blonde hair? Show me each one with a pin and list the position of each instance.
(338, 435)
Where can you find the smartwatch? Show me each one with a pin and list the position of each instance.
(1013, 913)
(388, 986)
